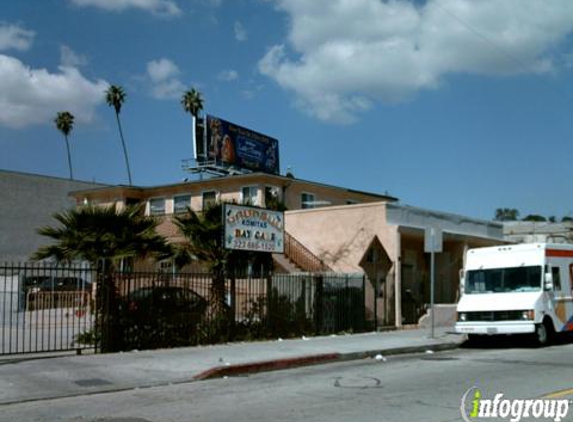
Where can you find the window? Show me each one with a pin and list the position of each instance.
(157, 206)
(180, 203)
(307, 200)
(249, 195)
(209, 199)
(504, 280)
(556, 278)
(272, 197)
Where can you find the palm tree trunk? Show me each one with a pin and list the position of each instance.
(69, 157)
(124, 148)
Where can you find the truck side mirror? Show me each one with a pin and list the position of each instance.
(548, 284)
(462, 281)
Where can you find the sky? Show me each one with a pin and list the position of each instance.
(461, 106)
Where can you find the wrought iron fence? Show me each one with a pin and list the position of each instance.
(153, 310)
(45, 307)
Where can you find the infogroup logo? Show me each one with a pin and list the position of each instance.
(475, 407)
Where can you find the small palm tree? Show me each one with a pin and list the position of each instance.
(104, 235)
(96, 234)
(192, 103)
(115, 97)
(65, 123)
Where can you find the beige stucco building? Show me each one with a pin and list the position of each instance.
(386, 241)
(335, 229)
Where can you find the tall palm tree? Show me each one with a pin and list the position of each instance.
(192, 103)
(115, 97)
(65, 123)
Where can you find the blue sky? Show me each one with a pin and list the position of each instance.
(461, 106)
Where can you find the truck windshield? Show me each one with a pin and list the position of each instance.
(503, 280)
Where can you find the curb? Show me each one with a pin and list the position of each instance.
(280, 364)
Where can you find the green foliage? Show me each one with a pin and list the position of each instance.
(506, 214)
(115, 97)
(94, 233)
(89, 338)
(274, 316)
(192, 102)
(65, 122)
(534, 218)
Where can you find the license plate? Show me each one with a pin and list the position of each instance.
(492, 330)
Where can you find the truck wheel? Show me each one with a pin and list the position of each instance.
(543, 333)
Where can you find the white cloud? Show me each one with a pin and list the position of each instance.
(165, 84)
(228, 75)
(34, 96)
(240, 32)
(157, 7)
(69, 58)
(343, 54)
(162, 69)
(15, 37)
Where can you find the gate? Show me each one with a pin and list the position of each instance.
(45, 308)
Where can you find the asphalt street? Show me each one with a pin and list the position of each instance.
(426, 387)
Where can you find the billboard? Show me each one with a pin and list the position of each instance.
(253, 229)
(231, 145)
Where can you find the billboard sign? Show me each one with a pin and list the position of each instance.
(253, 229)
(231, 145)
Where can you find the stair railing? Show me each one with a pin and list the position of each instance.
(302, 257)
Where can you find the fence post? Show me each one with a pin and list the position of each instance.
(233, 310)
(269, 300)
(364, 302)
(318, 308)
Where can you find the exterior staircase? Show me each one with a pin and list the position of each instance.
(298, 258)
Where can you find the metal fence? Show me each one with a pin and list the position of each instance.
(153, 310)
(44, 307)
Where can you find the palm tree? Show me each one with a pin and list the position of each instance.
(65, 123)
(192, 103)
(203, 233)
(102, 235)
(115, 97)
(204, 243)
(105, 236)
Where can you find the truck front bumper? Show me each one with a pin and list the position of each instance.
(489, 328)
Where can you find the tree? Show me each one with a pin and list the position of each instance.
(535, 218)
(102, 235)
(566, 219)
(115, 97)
(192, 103)
(506, 214)
(65, 122)
(203, 233)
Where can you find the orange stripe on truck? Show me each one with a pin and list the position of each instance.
(558, 253)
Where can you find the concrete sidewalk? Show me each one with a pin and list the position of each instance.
(26, 379)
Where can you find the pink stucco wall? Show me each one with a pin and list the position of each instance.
(341, 235)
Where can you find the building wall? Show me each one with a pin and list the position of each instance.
(27, 202)
(341, 235)
(538, 232)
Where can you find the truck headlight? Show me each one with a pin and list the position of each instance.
(528, 315)
(462, 316)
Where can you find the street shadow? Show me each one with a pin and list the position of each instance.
(513, 342)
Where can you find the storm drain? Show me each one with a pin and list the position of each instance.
(92, 382)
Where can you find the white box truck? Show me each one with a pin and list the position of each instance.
(517, 289)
